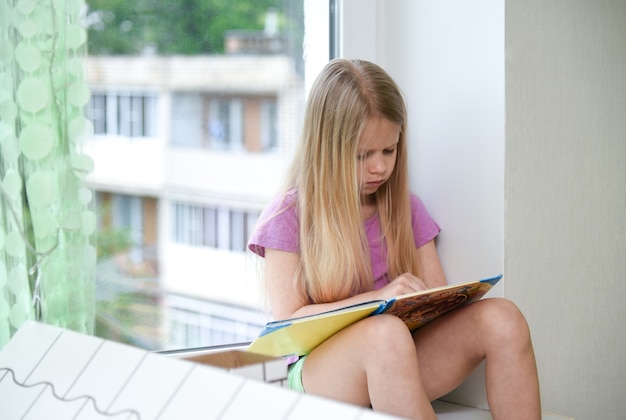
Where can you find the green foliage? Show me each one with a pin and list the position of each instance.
(115, 27)
(123, 27)
(131, 317)
(111, 240)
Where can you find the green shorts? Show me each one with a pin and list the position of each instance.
(294, 375)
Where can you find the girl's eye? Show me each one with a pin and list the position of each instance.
(389, 151)
(362, 156)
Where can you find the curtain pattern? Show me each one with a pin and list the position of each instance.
(47, 222)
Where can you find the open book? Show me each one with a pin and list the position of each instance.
(298, 336)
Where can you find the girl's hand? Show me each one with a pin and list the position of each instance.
(403, 284)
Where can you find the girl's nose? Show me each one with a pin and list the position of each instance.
(377, 165)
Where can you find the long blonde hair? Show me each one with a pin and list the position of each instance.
(334, 254)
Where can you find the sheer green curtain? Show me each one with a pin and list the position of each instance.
(47, 222)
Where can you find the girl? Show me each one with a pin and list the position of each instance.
(345, 230)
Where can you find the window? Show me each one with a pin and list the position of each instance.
(127, 223)
(269, 128)
(224, 122)
(222, 110)
(213, 227)
(128, 114)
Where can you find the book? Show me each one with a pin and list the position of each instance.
(299, 336)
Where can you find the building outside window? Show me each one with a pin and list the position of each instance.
(217, 127)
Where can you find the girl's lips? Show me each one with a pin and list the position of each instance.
(372, 186)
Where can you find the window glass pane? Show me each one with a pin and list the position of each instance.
(269, 130)
(237, 231)
(210, 227)
(96, 112)
(223, 229)
(186, 121)
(235, 123)
(149, 115)
(123, 114)
(219, 119)
(112, 118)
(136, 116)
(196, 106)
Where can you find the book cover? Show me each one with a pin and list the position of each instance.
(298, 336)
(419, 308)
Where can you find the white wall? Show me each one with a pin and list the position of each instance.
(448, 58)
(565, 221)
(532, 182)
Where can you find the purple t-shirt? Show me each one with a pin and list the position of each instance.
(282, 232)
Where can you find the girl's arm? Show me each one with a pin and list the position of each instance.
(432, 271)
(287, 302)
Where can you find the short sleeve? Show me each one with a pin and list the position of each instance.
(278, 227)
(425, 228)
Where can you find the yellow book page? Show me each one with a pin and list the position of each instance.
(304, 334)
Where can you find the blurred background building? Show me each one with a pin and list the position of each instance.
(188, 149)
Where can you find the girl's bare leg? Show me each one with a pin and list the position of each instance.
(492, 329)
(372, 362)
(377, 362)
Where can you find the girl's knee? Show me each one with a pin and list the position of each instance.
(384, 324)
(384, 329)
(504, 319)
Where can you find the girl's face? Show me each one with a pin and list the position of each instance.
(376, 155)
